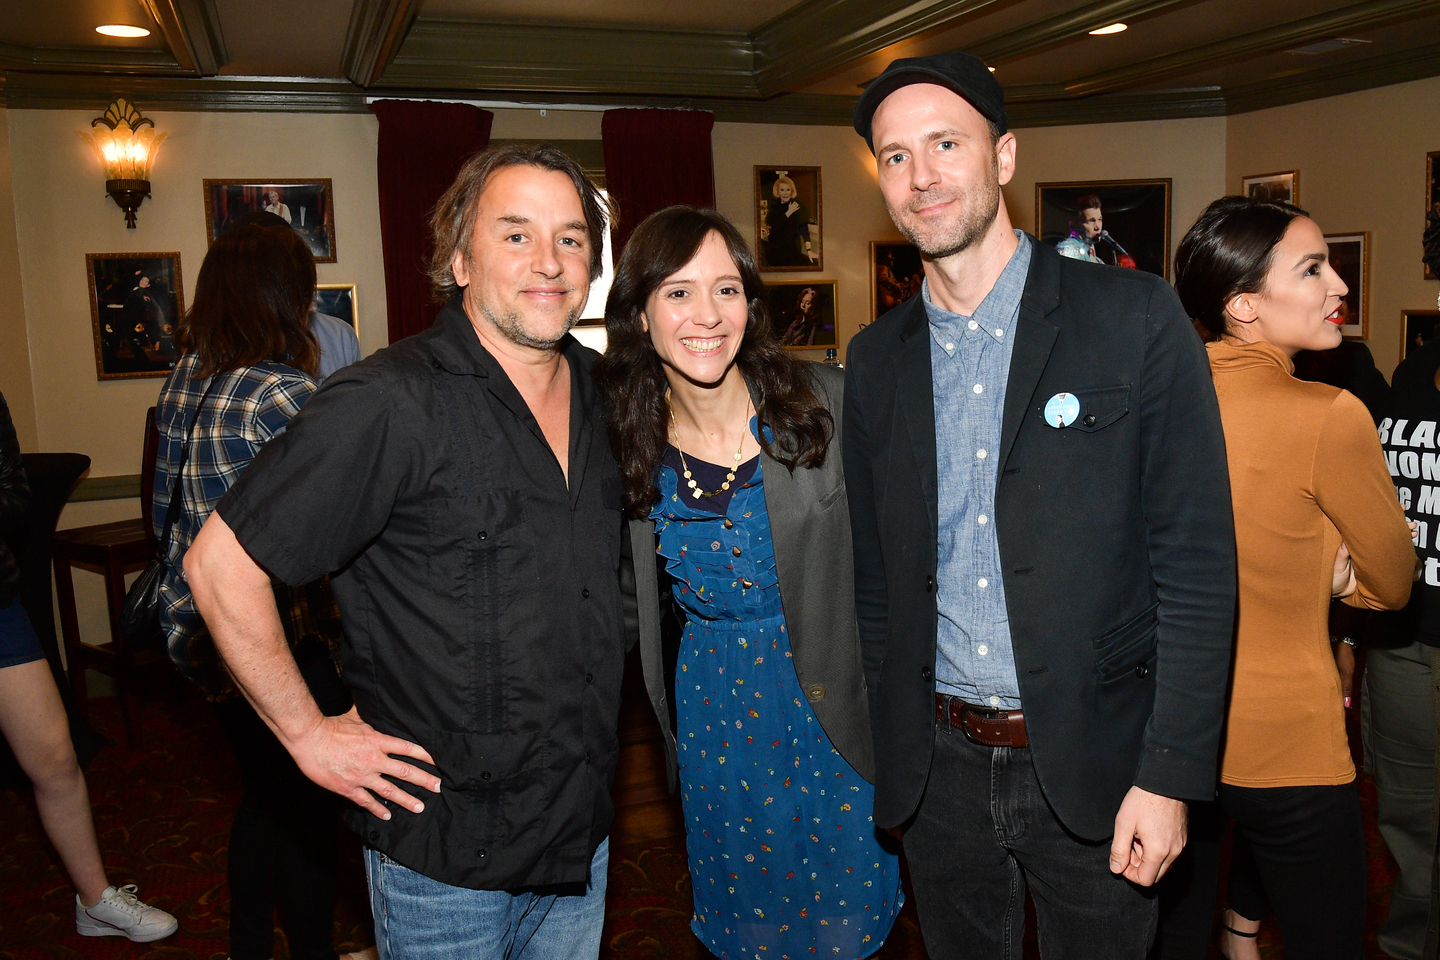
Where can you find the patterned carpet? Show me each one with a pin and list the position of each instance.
(163, 815)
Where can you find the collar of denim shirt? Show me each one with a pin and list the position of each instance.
(995, 317)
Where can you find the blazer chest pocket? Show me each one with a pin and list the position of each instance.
(1128, 646)
(1100, 407)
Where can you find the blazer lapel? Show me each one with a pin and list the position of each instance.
(915, 396)
(1034, 339)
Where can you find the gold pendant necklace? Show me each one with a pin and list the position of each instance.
(695, 491)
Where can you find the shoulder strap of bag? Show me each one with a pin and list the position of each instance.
(172, 510)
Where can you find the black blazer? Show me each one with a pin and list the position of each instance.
(810, 528)
(1116, 542)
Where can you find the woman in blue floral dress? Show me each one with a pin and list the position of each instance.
(729, 450)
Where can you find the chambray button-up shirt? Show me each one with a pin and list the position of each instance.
(970, 365)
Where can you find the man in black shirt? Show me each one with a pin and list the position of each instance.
(459, 488)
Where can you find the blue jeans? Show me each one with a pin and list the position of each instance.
(424, 919)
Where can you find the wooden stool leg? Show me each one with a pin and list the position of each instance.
(70, 632)
(125, 659)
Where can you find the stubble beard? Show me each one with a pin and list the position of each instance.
(511, 326)
(979, 211)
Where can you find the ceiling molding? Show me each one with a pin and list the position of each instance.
(85, 91)
(14, 56)
(1354, 17)
(1115, 108)
(1032, 37)
(377, 29)
(1417, 63)
(191, 29)
(470, 55)
(813, 39)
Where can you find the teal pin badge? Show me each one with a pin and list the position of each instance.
(1061, 410)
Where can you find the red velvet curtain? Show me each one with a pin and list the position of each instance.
(422, 146)
(655, 158)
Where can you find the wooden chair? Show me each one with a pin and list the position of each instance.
(112, 550)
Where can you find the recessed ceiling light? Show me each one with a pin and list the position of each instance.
(121, 30)
(1106, 31)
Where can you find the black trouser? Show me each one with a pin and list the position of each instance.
(983, 833)
(283, 846)
(1306, 846)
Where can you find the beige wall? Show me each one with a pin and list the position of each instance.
(15, 381)
(63, 213)
(1361, 159)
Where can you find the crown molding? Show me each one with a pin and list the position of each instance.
(1115, 108)
(1353, 17)
(14, 56)
(191, 29)
(814, 39)
(83, 91)
(1417, 63)
(377, 29)
(449, 54)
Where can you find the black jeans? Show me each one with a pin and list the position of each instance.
(283, 846)
(1297, 850)
(982, 833)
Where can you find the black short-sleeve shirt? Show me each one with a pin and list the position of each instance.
(479, 594)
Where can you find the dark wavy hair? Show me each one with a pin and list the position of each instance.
(252, 303)
(1228, 251)
(632, 379)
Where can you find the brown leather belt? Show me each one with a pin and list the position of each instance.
(983, 725)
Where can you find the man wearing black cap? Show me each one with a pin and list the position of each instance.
(1044, 554)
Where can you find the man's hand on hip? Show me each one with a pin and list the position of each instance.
(1149, 835)
(346, 755)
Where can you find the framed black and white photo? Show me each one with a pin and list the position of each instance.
(1350, 256)
(895, 275)
(788, 225)
(136, 299)
(1125, 223)
(802, 313)
(338, 300)
(1283, 186)
(307, 205)
(1417, 328)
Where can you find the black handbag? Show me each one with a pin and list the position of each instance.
(139, 620)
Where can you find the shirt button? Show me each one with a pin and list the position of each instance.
(735, 550)
(949, 347)
(1000, 333)
(980, 454)
(584, 593)
(482, 853)
(484, 774)
(482, 535)
(982, 519)
(982, 583)
(589, 678)
(729, 523)
(974, 326)
(1142, 671)
(929, 584)
(982, 649)
(927, 674)
(994, 701)
(978, 388)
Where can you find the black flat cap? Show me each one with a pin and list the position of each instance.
(962, 73)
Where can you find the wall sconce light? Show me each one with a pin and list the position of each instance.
(126, 144)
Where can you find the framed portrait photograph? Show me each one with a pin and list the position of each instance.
(802, 313)
(1432, 196)
(1284, 186)
(788, 226)
(1125, 223)
(1417, 328)
(307, 205)
(1350, 256)
(136, 299)
(895, 275)
(338, 300)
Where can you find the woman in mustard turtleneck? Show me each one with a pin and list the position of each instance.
(1316, 518)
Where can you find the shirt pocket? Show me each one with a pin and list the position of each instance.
(1100, 407)
(503, 781)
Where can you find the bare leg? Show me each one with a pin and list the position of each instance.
(33, 720)
(1234, 947)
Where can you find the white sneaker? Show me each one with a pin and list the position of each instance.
(122, 914)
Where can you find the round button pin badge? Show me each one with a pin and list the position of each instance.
(1061, 410)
